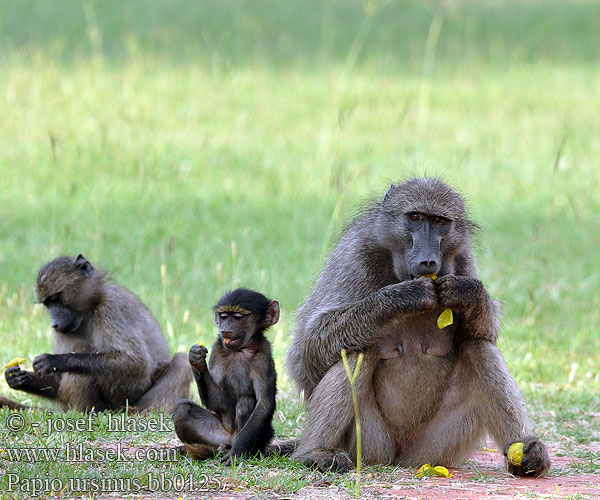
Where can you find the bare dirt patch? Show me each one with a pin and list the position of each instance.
(482, 477)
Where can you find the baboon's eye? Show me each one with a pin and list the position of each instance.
(238, 315)
(223, 315)
(415, 216)
(438, 219)
(52, 299)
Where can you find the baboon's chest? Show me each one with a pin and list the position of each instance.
(416, 339)
(416, 359)
(234, 378)
(237, 382)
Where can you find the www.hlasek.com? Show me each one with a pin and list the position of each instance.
(84, 454)
(150, 482)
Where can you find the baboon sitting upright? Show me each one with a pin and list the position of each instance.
(426, 395)
(238, 389)
(109, 351)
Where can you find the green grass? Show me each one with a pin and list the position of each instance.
(231, 141)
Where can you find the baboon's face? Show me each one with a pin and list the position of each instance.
(66, 288)
(62, 318)
(424, 225)
(424, 255)
(235, 328)
(238, 325)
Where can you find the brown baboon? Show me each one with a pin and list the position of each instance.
(426, 395)
(238, 390)
(109, 351)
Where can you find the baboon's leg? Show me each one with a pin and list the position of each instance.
(200, 430)
(329, 439)
(173, 384)
(80, 392)
(483, 398)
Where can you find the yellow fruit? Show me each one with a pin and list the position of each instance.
(438, 470)
(201, 343)
(428, 470)
(14, 362)
(515, 453)
(424, 470)
(445, 319)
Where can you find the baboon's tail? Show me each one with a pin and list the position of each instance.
(13, 405)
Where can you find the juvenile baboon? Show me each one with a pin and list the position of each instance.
(426, 395)
(109, 351)
(239, 385)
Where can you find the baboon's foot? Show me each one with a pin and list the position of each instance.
(283, 448)
(536, 460)
(325, 460)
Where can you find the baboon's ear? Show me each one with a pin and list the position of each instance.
(84, 265)
(387, 194)
(272, 315)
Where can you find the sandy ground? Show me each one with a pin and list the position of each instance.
(483, 477)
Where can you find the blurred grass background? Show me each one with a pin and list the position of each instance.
(231, 140)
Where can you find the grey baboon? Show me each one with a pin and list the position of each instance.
(426, 395)
(238, 390)
(109, 351)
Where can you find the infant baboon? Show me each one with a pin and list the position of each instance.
(239, 385)
(426, 394)
(109, 352)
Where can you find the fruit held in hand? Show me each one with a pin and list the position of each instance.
(514, 454)
(446, 318)
(14, 362)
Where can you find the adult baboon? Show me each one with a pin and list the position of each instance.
(239, 389)
(426, 395)
(109, 351)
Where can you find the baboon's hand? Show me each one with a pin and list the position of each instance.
(416, 295)
(536, 460)
(15, 377)
(45, 364)
(459, 292)
(197, 356)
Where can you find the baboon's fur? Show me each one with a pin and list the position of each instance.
(237, 386)
(425, 394)
(112, 354)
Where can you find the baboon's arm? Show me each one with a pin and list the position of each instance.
(209, 390)
(264, 382)
(481, 322)
(210, 393)
(114, 363)
(356, 326)
(478, 311)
